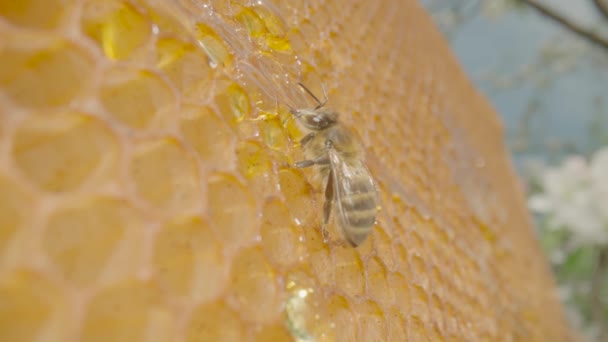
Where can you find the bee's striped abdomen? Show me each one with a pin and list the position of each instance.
(358, 203)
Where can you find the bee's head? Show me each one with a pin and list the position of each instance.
(315, 119)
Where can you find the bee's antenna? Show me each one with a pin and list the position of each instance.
(319, 103)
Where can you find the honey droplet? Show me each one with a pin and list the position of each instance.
(307, 317)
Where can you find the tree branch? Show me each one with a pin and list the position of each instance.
(602, 7)
(597, 306)
(568, 24)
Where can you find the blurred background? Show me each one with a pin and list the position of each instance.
(544, 66)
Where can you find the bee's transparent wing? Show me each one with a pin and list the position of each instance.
(354, 197)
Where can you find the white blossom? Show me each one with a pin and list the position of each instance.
(574, 197)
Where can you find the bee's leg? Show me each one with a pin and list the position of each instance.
(310, 162)
(329, 197)
(307, 139)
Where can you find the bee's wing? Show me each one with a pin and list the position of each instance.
(355, 197)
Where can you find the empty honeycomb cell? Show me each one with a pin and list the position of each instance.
(371, 321)
(32, 308)
(419, 268)
(232, 211)
(420, 302)
(127, 311)
(15, 206)
(213, 45)
(45, 73)
(416, 330)
(215, 322)
(435, 334)
(185, 65)
(211, 138)
(318, 255)
(188, 260)
(80, 239)
(343, 319)
(165, 175)
(254, 289)
(281, 238)
(62, 151)
(297, 193)
(137, 97)
(378, 287)
(38, 14)
(350, 277)
(383, 246)
(118, 27)
(400, 289)
(256, 165)
(396, 326)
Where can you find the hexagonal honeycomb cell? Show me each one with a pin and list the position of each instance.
(148, 191)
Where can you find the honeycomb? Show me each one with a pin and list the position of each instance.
(147, 192)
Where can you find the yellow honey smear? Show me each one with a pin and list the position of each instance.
(80, 240)
(137, 97)
(278, 43)
(32, 308)
(273, 133)
(214, 46)
(38, 14)
(127, 311)
(60, 152)
(47, 76)
(256, 164)
(188, 259)
(118, 27)
(233, 103)
(273, 36)
(274, 24)
(165, 175)
(251, 21)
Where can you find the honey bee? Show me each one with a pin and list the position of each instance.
(335, 151)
